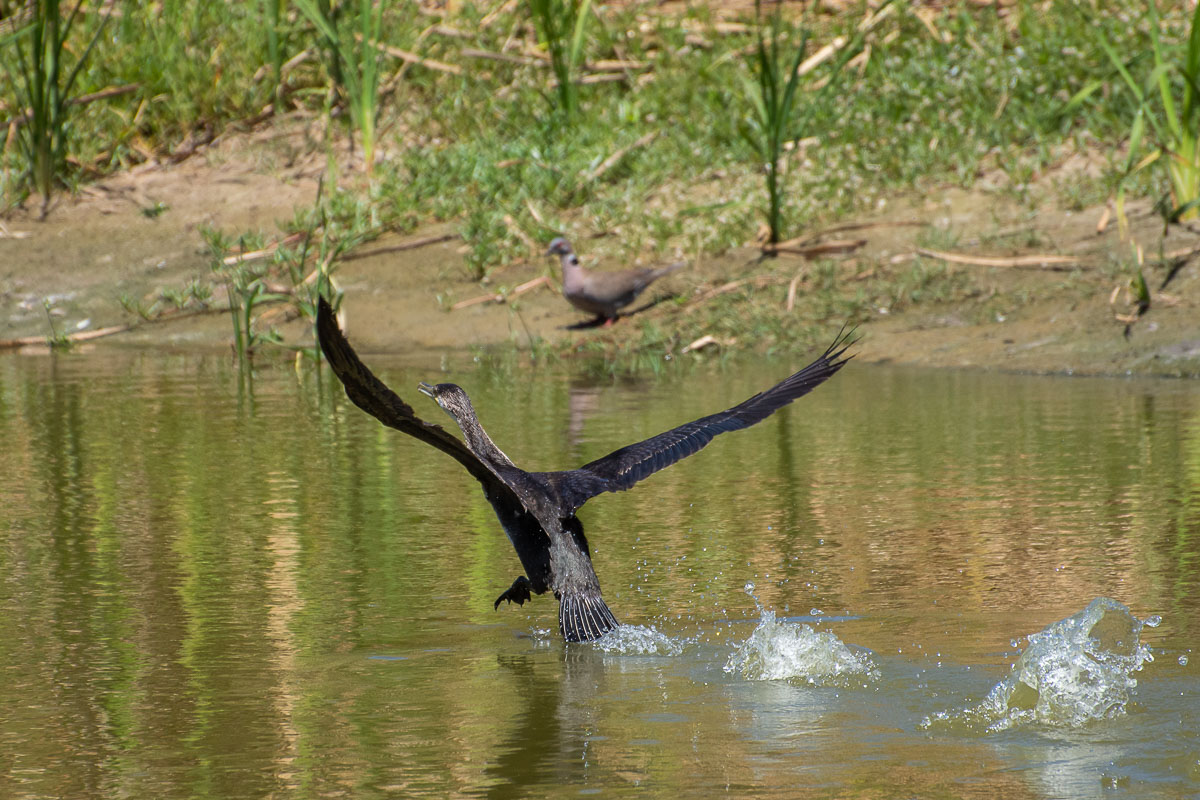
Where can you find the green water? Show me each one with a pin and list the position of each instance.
(211, 589)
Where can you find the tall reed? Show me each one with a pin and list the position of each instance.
(774, 93)
(773, 97)
(42, 85)
(1174, 129)
(562, 24)
(352, 58)
(273, 17)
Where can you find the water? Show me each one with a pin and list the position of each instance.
(210, 589)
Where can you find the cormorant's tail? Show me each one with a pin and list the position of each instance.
(582, 617)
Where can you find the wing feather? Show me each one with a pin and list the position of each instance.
(374, 397)
(622, 469)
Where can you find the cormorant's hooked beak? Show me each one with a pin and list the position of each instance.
(426, 389)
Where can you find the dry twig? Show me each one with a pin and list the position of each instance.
(1042, 261)
(501, 297)
(614, 159)
(83, 336)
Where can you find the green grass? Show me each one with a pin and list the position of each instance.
(478, 149)
(1166, 87)
(562, 27)
(449, 133)
(41, 68)
(349, 35)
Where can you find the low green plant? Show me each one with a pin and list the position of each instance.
(274, 15)
(42, 84)
(773, 97)
(353, 61)
(57, 339)
(246, 288)
(562, 25)
(1173, 129)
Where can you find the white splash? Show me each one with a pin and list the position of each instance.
(638, 640)
(1075, 671)
(787, 651)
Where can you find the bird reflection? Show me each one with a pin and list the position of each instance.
(546, 744)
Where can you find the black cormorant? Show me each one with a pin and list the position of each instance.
(537, 509)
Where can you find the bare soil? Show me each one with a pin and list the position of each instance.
(101, 245)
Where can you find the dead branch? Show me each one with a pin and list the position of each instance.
(616, 157)
(507, 58)
(413, 58)
(1042, 261)
(258, 255)
(83, 336)
(818, 249)
(501, 297)
(791, 294)
(410, 244)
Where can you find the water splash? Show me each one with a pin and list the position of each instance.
(1075, 671)
(638, 640)
(787, 651)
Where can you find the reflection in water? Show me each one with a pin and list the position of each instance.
(211, 589)
(582, 402)
(537, 746)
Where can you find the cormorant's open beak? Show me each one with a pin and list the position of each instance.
(426, 389)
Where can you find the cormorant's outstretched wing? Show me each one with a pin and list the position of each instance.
(372, 396)
(623, 468)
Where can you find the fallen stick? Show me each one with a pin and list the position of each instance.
(758, 283)
(501, 297)
(495, 13)
(413, 58)
(791, 295)
(818, 249)
(284, 68)
(411, 244)
(1186, 252)
(507, 58)
(597, 77)
(33, 341)
(821, 56)
(616, 157)
(530, 245)
(5, 233)
(1044, 261)
(615, 65)
(707, 340)
(256, 255)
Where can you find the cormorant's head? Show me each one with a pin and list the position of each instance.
(450, 397)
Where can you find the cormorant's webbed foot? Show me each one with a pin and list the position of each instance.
(517, 593)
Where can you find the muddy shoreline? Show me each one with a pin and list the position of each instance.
(102, 245)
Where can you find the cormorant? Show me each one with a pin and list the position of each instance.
(537, 509)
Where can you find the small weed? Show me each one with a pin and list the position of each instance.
(352, 60)
(154, 210)
(1173, 129)
(42, 84)
(562, 26)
